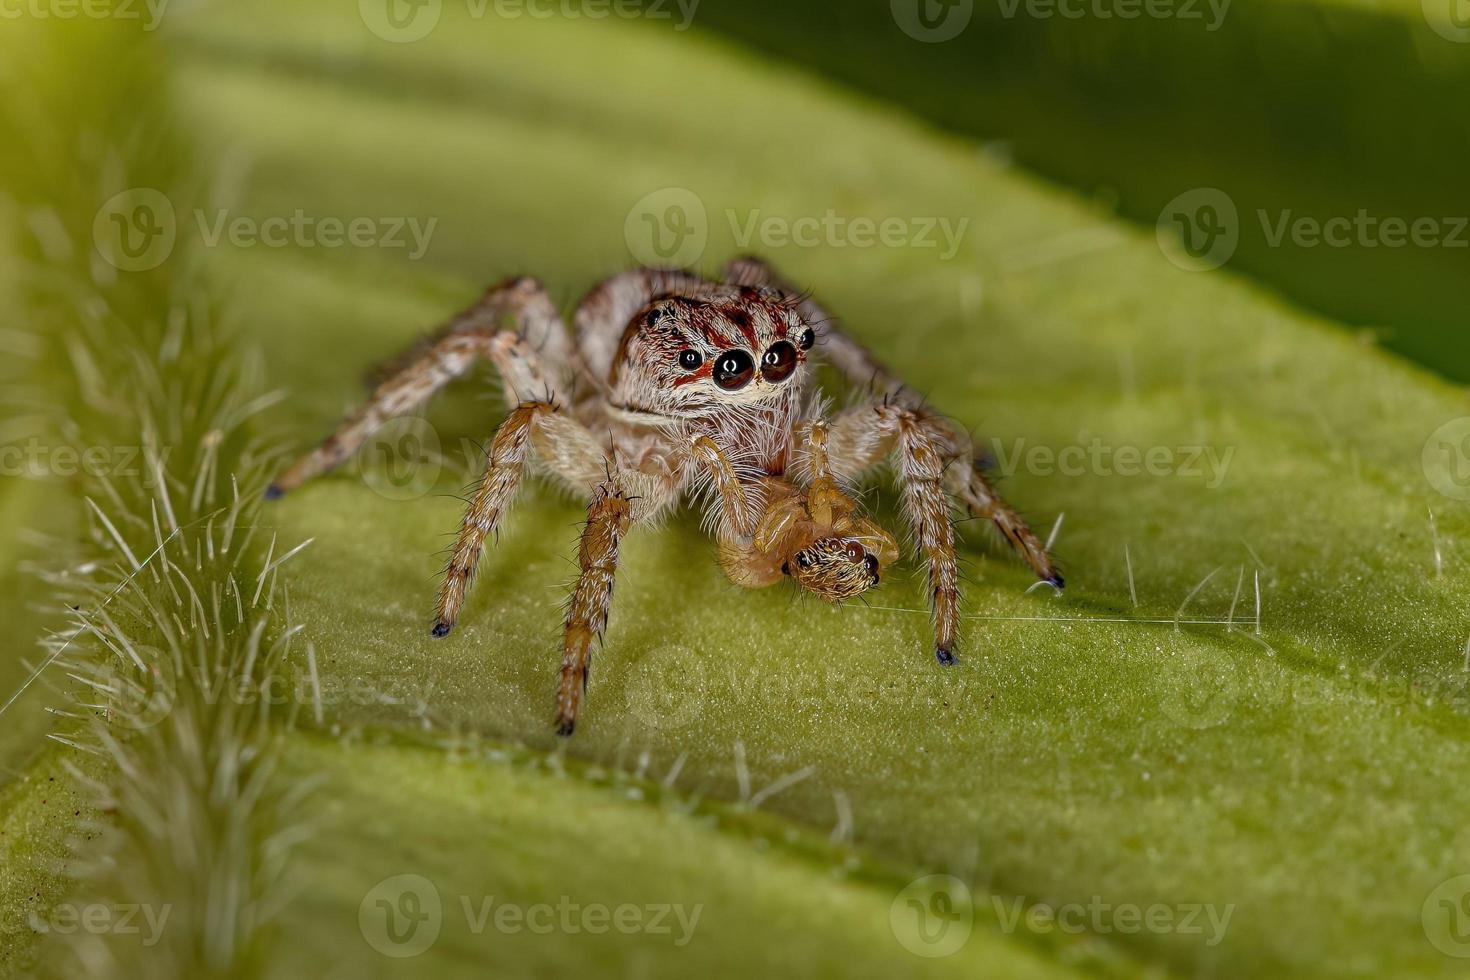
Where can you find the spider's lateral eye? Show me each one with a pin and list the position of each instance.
(778, 362)
(690, 359)
(807, 338)
(855, 551)
(734, 369)
(653, 317)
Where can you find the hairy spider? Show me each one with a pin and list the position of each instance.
(678, 385)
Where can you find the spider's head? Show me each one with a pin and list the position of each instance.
(838, 568)
(744, 346)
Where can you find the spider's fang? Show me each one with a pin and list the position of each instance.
(1055, 581)
(440, 629)
(944, 657)
(565, 728)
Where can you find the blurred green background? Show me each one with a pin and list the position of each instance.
(1230, 749)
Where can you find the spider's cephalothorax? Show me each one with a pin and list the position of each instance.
(687, 357)
(675, 386)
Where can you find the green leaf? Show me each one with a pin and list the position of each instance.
(1146, 740)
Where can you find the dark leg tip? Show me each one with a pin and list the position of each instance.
(565, 728)
(1056, 581)
(440, 630)
(274, 492)
(945, 657)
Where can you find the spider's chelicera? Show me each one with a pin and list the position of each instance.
(673, 386)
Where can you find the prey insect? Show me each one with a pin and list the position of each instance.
(671, 386)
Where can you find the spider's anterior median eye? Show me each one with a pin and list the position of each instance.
(690, 359)
(734, 369)
(806, 339)
(778, 362)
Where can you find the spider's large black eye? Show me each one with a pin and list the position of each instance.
(806, 339)
(690, 359)
(778, 362)
(734, 369)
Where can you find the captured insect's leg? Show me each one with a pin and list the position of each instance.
(979, 495)
(447, 355)
(923, 447)
(848, 356)
(505, 463)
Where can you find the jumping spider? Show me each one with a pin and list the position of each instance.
(676, 385)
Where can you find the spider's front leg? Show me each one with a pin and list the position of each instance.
(623, 499)
(608, 518)
(929, 454)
